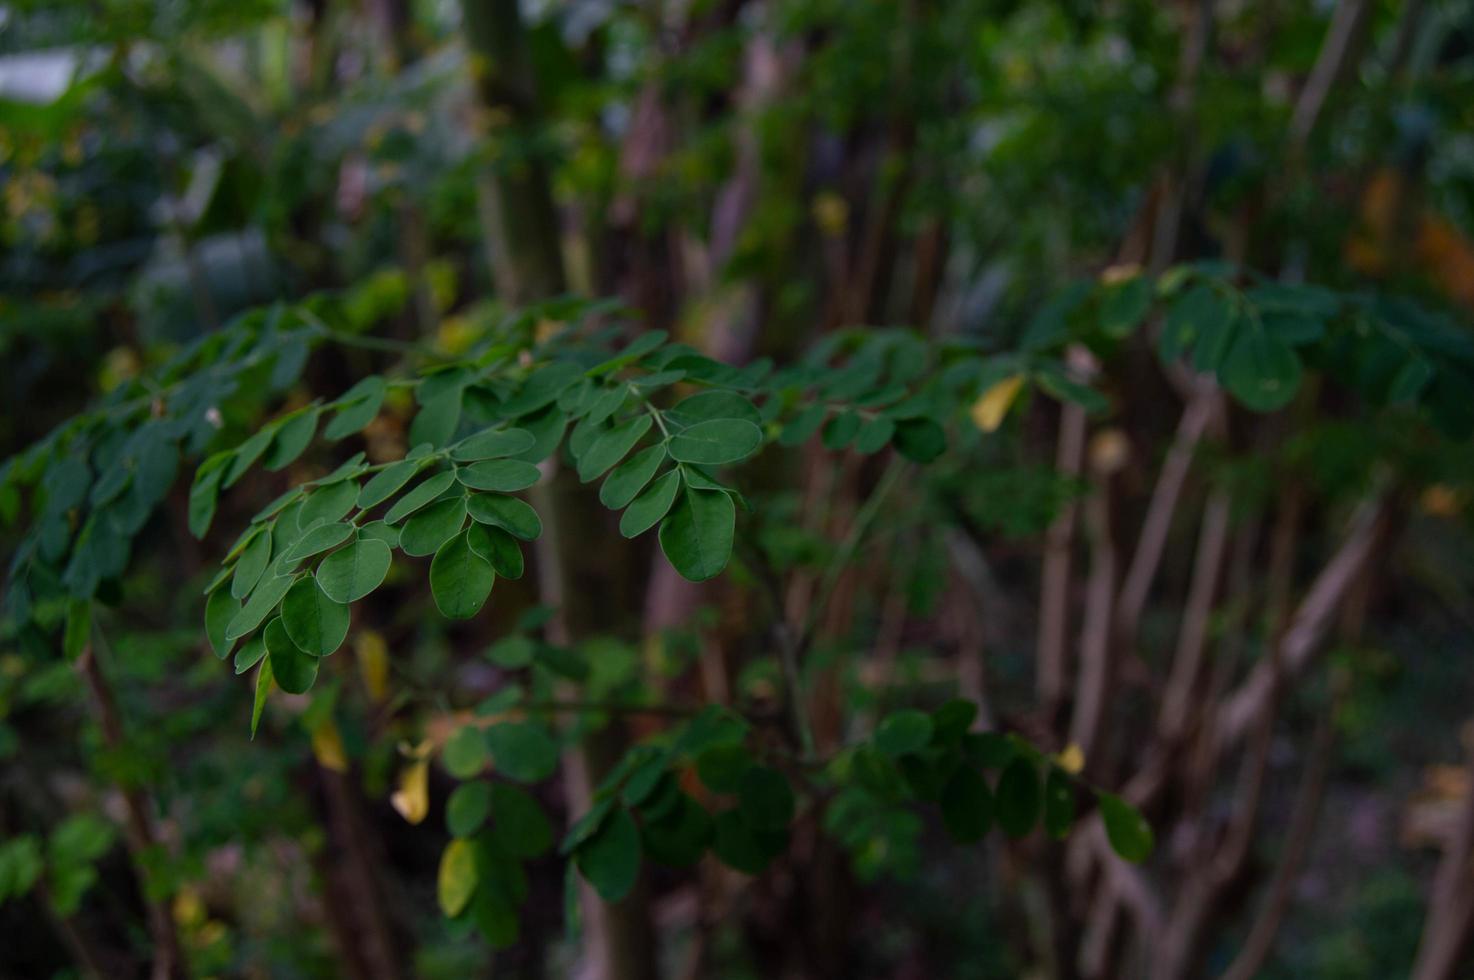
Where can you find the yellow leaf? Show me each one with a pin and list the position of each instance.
(831, 213)
(327, 745)
(412, 799)
(189, 907)
(992, 405)
(373, 662)
(1071, 759)
(456, 882)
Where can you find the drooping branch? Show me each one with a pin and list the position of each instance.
(1311, 621)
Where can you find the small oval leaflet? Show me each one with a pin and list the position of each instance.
(651, 505)
(1130, 835)
(497, 547)
(460, 579)
(610, 860)
(492, 444)
(1018, 798)
(505, 512)
(318, 540)
(696, 535)
(315, 623)
(716, 441)
(294, 671)
(630, 477)
(424, 492)
(386, 483)
(427, 530)
(352, 573)
(499, 475)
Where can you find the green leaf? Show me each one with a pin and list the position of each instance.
(875, 435)
(523, 751)
(78, 629)
(680, 835)
(468, 807)
(765, 799)
(803, 425)
(651, 505)
(919, 440)
(512, 652)
(319, 539)
(722, 767)
(697, 534)
(426, 531)
(497, 547)
(456, 881)
(716, 441)
(1061, 388)
(262, 602)
(542, 388)
(504, 512)
(379, 531)
(499, 475)
(465, 754)
(1261, 371)
(437, 419)
(519, 823)
(246, 455)
(841, 430)
(327, 505)
(707, 405)
(1124, 305)
(220, 608)
(967, 805)
(264, 683)
(492, 444)
(1130, 835)
(1059, 803)
(355, 571)
(460, 579)
(903, 731)
(203, 496)
(630, 477)
(314, 622)
(250, 654)
(295, 671)
(359, 406)
(952, 720)
(496, 919)
(610, 860)
(611, 447)
(636, 349)
(387, 482)
(424, 492)
(1410, 381)
(1018, 798)
(292, 439)
(740, 847)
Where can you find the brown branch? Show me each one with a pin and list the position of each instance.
(1334, 57)
(1052, 675)
(1097, 661)
(1192, 639)
(1311, 621)
(1202, 406)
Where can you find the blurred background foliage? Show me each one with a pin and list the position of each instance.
(751, 175)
